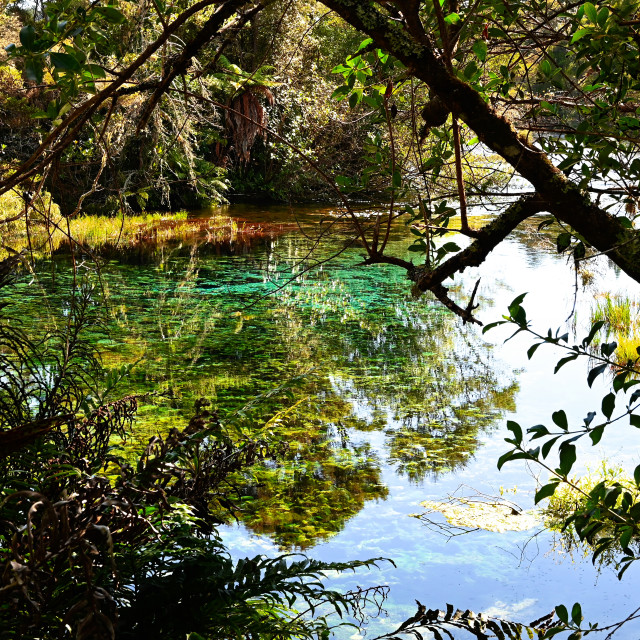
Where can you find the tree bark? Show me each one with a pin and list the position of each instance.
(556, 193)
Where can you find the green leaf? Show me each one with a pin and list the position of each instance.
(516, 302)
(546, 491)
(95, 71)
(33, 69)
(601, 546)
(340, 93)
(563, 241)
(636, 475)
(625, 538)
(492, 325)
(625, 567)
(513, 455)
(480, 49)
(564, 361)
(494, 32)
(111, 14)
(594, 373)
(532, 349)
(517, 313)
(505, 457)
(562, 613)
(595, 327)
(576, 613)
(579, 34)
(538, 431)
(452, 18)
(619, 380)
(560, 418)
(611, 497)
(603, 16)
(596, 434)
(353, 100)
(567, 457)
(374, 101)
(625, 222)
(608, 404)
(396, 180)
(28, 37)
(515, 428)
(546, 447)
(64, 62)
(590, 12)
(607, 348)
(634, 420)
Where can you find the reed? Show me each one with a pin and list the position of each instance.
(618, 311)
(45, 230)
(622, 317)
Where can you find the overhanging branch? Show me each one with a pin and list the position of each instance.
(563, 198)
(488, 238)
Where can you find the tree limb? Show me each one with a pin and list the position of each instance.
(561, 197)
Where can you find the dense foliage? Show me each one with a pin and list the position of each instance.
(446, 102)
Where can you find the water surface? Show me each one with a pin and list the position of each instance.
(385, 400)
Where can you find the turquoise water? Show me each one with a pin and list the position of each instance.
(386, 400)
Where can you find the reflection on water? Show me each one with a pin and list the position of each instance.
(385, 400)
(365, 357)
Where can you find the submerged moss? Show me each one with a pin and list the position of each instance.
(338, 354)
(489, 516)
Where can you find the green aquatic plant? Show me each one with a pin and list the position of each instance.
(621, 317)
(91, 541)
(321, 481)
(619, 312)
(339, 335)
(303, 503)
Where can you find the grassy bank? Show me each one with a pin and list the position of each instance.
(45, 231)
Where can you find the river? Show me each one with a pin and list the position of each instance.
(386, 400)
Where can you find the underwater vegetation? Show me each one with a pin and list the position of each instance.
(332, 361)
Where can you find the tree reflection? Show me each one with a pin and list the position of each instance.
(366, 359)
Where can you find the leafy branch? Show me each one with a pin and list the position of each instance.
(610, 513)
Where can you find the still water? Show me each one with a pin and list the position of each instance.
(386, 400)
